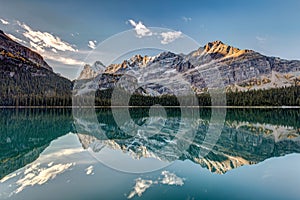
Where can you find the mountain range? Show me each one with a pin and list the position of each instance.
(29, 80)
(239, 70)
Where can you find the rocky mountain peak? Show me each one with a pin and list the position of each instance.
(135, 61)
(167, 57)
(87, 72)
(86, 66)
(92, 71)
(137, 58)
(99, 64)
(166, 54)
(240, 69)
(220, 48)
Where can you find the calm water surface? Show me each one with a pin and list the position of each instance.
(50, 154)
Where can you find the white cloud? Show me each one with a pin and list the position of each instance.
(15, 38)
(171, 179)
(186, 19)
(36, 47)
(61, 59)
(92, 44)
(132, 23)
(4, 22)
(48, 45)
(43, 159)
(140, 29)
(54, 50)
(170, 36)
(89, 170)
(36, 175)
(63, 152)
(12, 175)
(45, 39)
(140, 187)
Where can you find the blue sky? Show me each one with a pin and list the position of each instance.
(269, 27)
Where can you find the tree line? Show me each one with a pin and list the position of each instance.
(287, 96)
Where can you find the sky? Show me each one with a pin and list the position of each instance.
(66, 32)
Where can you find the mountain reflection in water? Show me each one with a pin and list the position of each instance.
(249, 136)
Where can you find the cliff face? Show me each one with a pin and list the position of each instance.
(223, 50)
(91, 71)
(239, 70)
(13, 50)
(27, 79)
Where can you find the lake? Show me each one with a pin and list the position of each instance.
(137, 153)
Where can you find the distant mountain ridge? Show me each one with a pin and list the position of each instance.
(240, 69)
(30, 81)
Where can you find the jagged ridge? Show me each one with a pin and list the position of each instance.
(13, 50)
(240, 70)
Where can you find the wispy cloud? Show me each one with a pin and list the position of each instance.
(140, 29)
(64, 60)
(92, 44)
(3, 21)
(140, 187)
(16, 39)
(54, 50)
(51, 47)
(36, 175)
(89, 170)
(45, 39)
(171, 179)
(170, 36)
(36, 47)
(186, 19)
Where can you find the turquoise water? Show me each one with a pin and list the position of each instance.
(57, 154)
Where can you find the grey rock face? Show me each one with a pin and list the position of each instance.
(240, 143)
(214, 65)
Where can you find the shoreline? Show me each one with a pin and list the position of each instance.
(86, 107)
